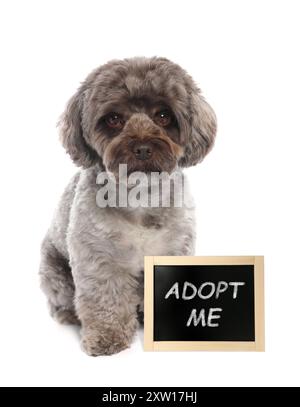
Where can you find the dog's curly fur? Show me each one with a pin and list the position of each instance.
(92, 258)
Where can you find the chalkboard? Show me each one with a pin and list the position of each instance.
(209, 303)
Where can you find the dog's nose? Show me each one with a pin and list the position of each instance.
(142, 151)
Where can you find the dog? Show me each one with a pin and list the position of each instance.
(146, 113)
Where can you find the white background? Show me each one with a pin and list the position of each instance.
(245, 57)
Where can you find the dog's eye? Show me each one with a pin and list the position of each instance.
(114, 120)
(163, 118)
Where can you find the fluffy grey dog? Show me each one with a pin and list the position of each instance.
(148, 114)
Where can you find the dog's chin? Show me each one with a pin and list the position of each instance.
(146, 167)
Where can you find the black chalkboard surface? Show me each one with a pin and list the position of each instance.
(227, 290)
(210, 303)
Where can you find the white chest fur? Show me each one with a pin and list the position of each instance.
(150, 232)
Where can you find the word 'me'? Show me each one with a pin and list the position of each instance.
(205, 291)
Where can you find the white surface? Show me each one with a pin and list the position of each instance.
(245, 57)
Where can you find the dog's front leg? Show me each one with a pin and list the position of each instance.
(106, 304)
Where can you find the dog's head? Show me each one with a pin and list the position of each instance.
(146, 113)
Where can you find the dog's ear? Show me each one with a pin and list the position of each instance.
(71, 133)
(200, 131)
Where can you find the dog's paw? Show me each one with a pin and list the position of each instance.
(108, 342)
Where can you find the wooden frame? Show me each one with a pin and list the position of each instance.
(151, 345)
